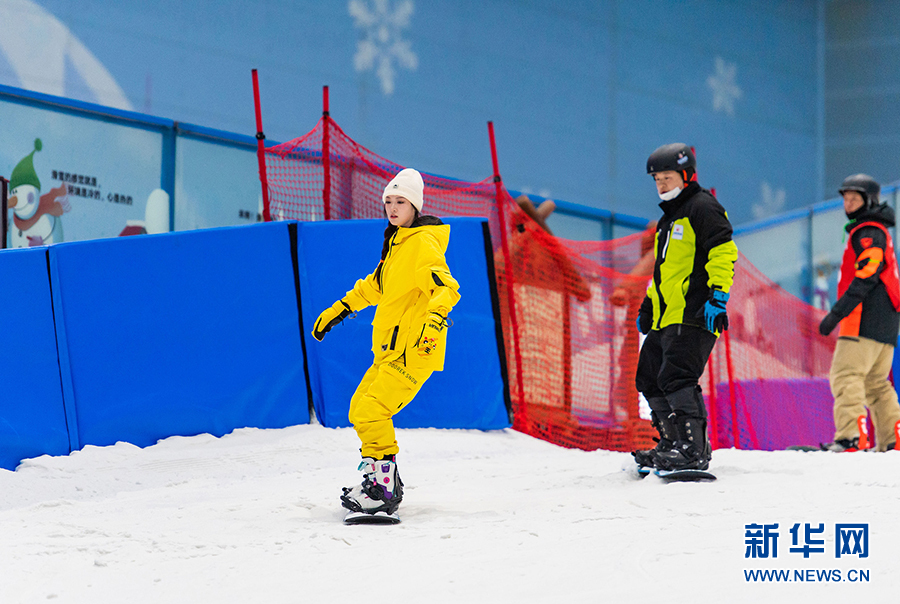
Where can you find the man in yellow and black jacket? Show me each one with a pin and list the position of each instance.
(684, 310)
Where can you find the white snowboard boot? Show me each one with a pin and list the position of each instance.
(380, 491)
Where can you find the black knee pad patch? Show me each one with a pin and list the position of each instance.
(687, 401)
(660, 405)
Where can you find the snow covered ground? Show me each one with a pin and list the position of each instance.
(487, 517)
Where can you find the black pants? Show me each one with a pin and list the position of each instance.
(669, 369)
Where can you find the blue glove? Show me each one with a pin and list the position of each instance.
(714, 311)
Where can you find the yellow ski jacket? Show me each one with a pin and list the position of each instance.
(694, 252)
(411, 282)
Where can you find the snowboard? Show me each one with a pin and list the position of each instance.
(641, 472)
(803, 448)
(685, 475)
(376, 518)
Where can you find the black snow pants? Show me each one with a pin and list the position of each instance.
(669, 369)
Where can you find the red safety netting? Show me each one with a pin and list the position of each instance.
(778, 394)
(568, 310)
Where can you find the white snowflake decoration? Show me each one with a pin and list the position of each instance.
(383, 44)
(725, 90)
(772, 201)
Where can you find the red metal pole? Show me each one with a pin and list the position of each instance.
(507, 262)
(261, 150)
(731, 393)
(712, 412)
(326, 155)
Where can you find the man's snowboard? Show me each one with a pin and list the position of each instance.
(674, 475)
(376, 518)
(685, 475)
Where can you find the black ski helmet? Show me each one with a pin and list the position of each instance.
(863, 184)
(677, 157)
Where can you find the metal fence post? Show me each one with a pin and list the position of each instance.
(607, 227)
(810, 251)
(895, 195)
(4, 208)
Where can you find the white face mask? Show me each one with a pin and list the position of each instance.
(670, 194)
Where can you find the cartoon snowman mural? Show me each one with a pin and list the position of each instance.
(36, 218)
(156, 216)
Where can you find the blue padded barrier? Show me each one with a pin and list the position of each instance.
(32, 418)
(179, 334)
(895, 366)
(469, 393)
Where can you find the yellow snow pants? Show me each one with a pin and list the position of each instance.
(385, 389)
(859, 379)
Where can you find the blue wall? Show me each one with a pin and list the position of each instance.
(862, 90)
(179, 334)
(139, 338)
(32, 415)
(468, 393)
(580, 92)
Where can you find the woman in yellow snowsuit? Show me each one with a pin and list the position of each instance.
(414, 292)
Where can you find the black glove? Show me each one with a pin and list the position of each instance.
(330, 317)
(645, 316)
(828, 324)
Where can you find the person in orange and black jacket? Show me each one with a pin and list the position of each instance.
(868, 311)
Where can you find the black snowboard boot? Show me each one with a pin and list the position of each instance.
(647, 457)
(691, 449)
(842, 445)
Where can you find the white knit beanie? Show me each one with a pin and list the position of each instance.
(408, 183)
